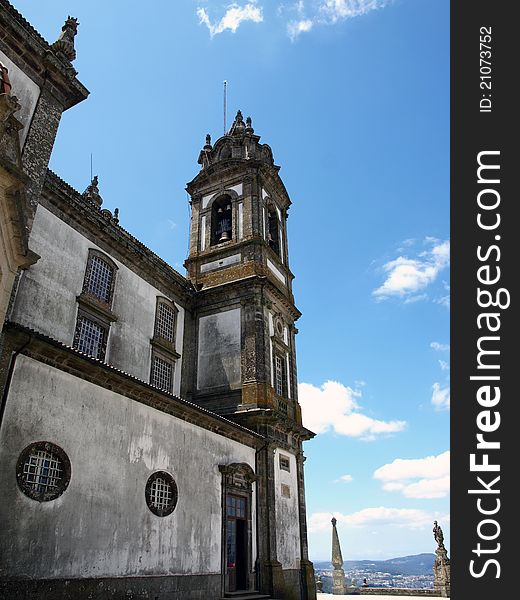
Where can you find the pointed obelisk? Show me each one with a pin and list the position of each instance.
(338, 575)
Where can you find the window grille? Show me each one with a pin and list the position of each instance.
(165, 322)
(161, 493)
(43, 471)
(90, 338)
(98, 280)
(162, 374)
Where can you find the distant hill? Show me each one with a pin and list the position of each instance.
(418, 564)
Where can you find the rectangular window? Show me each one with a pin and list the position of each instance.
(278, 375)
(286, 491)
(285, 463)
(90, 337)
(98, 280)
(165, 322)
(162, 374)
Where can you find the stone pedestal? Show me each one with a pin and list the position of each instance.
(442, 573)
(338, 582)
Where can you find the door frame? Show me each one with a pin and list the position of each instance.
(237, 480)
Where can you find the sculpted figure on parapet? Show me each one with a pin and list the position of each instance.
(438, 535)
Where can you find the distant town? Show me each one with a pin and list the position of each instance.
(404, 572)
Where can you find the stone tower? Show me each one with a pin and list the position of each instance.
(244, 363)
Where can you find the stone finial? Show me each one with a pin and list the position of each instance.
(92, 192)
(238, 124)
(249, 125)
(64, 45)
(208, 145)
(115, 218)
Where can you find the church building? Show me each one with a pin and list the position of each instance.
(151, 440)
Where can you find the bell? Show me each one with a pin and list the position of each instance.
(224, 237)
(219, 210)
(228, 207)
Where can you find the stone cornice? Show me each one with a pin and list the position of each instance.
(60, 356)
(81, 214)
(24, 45)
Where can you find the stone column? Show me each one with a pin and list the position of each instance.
(338, 575)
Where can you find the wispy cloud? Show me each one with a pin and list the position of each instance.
(305, 15)
(417, 478)
(408, 518)
(334, 407)
(408, 277)
(440, 347)
(441, 396)
(295, 28)
(339, 10)
(234, 16)
(345, 479)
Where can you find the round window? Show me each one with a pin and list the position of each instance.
(43, 471)
(161, 493)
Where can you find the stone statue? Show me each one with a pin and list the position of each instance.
(438, 535)
(441, 567)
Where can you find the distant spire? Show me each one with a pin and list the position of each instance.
(64, 45)
(92, 192)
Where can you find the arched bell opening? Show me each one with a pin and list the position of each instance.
(221, 221)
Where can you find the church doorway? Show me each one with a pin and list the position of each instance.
(236, 543)
(237, 527)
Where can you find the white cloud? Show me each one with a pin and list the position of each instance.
(336, 10)
(441, 396)
(345, 479)
(294, 28)
(234, 16)
(409, 518)
(406, 277)
(444, 365)
(440, 347)
(417, 478)
(333, 407)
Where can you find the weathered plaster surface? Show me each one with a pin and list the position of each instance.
(101, 526)
(46, 300)
(25, 90)
(287, 513)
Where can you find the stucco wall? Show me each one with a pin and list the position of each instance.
(101, 526)
(46, 298)
(287, 536)
(27, 92)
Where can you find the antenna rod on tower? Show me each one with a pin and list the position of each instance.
(225, 104)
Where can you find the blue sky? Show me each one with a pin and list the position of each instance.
(353, 98)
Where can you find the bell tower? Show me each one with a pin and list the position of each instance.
(244, 364)
(239, 263)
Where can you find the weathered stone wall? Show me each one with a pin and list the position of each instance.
(46, 299)
(101, 527)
